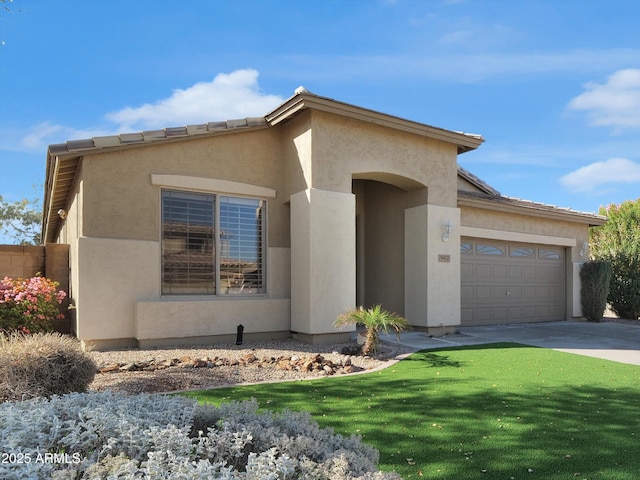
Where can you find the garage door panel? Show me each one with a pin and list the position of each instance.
(542, 310)
(544, 293)
(515, 312)
(500, 315)
(515, 294)
(529, 272)
(544, 274)
(499, 293)
(466, 292)
(481, 315)
(467, 270)
(483, 292)
(516, 273)
(511, 283)
(483, 271)
(499, 272)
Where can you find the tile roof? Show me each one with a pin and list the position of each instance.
(518, 205)
(477, 181)
(149, 136)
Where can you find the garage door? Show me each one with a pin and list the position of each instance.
(511, 282)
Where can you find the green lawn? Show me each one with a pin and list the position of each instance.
(492, 411)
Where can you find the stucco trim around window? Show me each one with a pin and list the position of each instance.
(205, 184)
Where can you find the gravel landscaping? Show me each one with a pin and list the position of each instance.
(217, 365)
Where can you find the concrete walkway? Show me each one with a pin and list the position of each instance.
(619, 342)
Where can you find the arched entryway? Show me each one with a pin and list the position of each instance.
(381, 201)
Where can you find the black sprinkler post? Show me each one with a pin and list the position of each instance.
(239, 335)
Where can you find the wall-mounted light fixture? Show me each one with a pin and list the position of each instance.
(583, 250)
(63, 213)
(447, 230)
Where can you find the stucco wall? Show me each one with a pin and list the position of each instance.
(344, 148)
(296, 139)
(69, 233)
(432, 268)
(323, 269)
(380, 243)
(528, 225)
(120, 298)
(122, 202)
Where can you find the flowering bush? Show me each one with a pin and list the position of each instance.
(29, 305)
(106, 435)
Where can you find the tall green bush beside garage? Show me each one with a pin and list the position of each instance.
(595, 278)
(618, 242)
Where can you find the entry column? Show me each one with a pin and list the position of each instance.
(323, 262)
(432, 268)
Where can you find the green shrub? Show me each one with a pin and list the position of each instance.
(595, 278)
(618, 242)
(41, 365)
(624, 295)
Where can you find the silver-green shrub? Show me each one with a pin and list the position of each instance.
(109, 436)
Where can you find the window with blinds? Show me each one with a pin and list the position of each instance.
(241, 245)
(196, 259)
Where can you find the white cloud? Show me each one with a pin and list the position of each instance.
(462, 68)
(611, 172)
(458, 36)
(615, 103)
(228, 96)
(46, 133)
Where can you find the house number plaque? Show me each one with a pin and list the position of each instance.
(444, 258)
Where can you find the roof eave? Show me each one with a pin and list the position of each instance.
(60, 178)
(464, 141)
(153, 137)
(508, 205)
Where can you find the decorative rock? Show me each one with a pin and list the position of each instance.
(128, 367)
(315, 363)
(250, 358)
(352, 350)
(109, 368)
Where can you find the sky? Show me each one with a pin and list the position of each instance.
(552, 85)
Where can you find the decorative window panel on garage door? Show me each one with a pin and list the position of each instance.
(511, 283)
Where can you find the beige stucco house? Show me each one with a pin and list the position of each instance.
(281, 222)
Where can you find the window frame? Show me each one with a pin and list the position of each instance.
(218, 289)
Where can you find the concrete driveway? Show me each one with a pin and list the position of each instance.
(619, 342)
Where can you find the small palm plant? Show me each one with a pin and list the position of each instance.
(375, 320)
